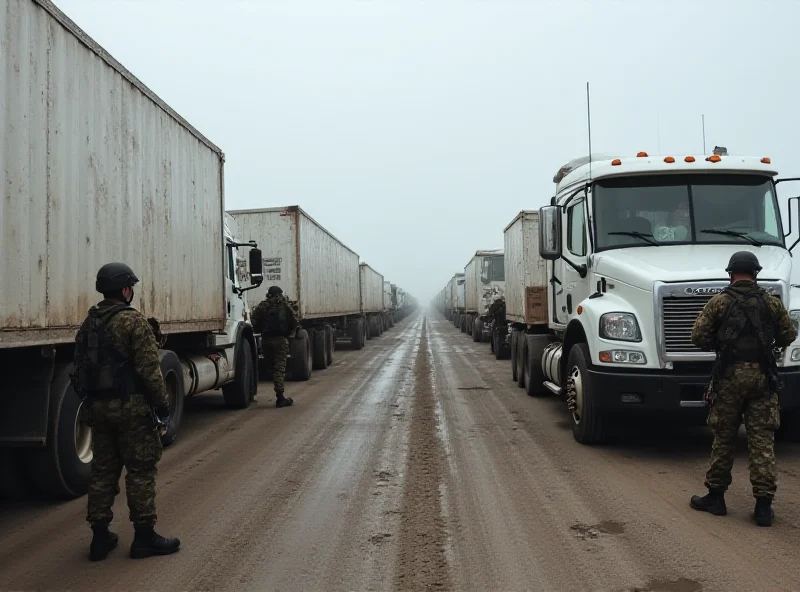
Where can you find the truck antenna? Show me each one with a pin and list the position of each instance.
(704, 133)
(589, 121)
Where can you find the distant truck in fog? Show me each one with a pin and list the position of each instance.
(316, 270)
(484, 283)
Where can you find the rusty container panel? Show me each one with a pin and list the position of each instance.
(371, 290)
(97, 168)
(525, 271)
(305, 260)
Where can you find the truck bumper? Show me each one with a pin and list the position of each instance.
(625, 392)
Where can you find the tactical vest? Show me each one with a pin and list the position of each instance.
(102, 370)
(747, 329)
(276, 319)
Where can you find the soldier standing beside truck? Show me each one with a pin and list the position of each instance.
(118, 371)
(743, 324)
(276, 319)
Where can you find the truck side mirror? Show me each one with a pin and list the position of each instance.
(256, 267)
(550, 233)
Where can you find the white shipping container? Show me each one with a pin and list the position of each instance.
(96, 168)
(478, 285)
(387, 295)
(525, 271)
(371, 290)
(309, 264)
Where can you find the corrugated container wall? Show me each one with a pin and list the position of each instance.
(387, 295)
(95, 168)
(525, 270)
(305, 260)
(371, 289)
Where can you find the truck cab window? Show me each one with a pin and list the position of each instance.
(576, 230)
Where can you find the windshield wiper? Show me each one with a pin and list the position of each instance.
(736, 233)
(648, 238)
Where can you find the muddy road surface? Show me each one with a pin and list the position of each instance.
(416, 464)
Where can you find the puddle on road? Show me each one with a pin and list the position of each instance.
(587, 532)
(679, 585)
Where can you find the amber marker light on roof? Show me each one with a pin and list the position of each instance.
(689, 159)
(669, 159)
(616, 162)
(714, 158)
(766, 160)
(641, 155)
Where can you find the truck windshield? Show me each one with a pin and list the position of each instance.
(686, 209)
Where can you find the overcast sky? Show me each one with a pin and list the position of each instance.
(415, 131)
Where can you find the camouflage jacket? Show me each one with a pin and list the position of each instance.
(708, 323)
(258, 316)
(133, 334)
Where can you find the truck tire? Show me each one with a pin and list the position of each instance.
(357, 334)
(320, 356)
(534, 377)
(588, 425)
(514, 369)
(370, 328)
(239, 393)
(391, 320)
(301, 361)
(477, 330)
(463, 324)
(789, 430)
(330, 337)
(172, 371)
(519, 354)
(61, 469)
(493, 338)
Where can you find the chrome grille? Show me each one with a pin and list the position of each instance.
(678, 317)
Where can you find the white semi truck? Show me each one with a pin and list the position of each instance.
(372, 306)
(484, 282)
(96, 168)
(634, 248)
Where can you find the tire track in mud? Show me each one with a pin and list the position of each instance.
(422, 561)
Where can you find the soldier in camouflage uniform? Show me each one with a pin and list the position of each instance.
(276, 318)
(743, 324)
(118, 370)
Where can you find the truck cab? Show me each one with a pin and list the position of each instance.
(635, 248)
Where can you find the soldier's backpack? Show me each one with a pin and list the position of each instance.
(99, 368)
(276, 319)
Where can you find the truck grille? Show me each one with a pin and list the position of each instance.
(678, 317)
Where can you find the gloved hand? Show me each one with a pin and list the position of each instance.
(162, 413)
(156, 327)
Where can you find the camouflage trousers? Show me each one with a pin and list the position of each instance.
(743, 391)
(277, 348)
(123, 435)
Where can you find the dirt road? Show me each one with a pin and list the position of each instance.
(417, 464)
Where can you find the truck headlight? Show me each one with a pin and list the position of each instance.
(620, 326)
(795, 316)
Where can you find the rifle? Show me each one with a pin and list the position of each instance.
(158, 423)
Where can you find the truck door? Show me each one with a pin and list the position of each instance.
(574, 288)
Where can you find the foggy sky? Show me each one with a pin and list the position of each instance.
(415, 131)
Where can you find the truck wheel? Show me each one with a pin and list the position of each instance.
(534, 377)
(514, 369)
(477, 330)
(357, 334)
(463, 325)
(789, 430)
(320, 356)
(172, 371)
(370, 328)
(300, 349)
(588, 425)
(331, 344)
(519, 354)
(61, 469)
(391, 321)
(493, 338)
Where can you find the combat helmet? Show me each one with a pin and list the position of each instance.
(114, 277)
(743, 262)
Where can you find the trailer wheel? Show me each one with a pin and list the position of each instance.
(62, 468)
(320, 357)
(300, 349)
(514, 369)
(370, 328)
(330, 341)
(172, 371)
(588, 425)
(390, 316)
(357, 334)
(534, 376)
(477, 330)
(519, 354)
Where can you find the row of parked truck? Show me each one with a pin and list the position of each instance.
(594, 296)
(97, 168)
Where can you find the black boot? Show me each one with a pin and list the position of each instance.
(764, 513)
(282, 401)
(103, 542)
(713, 503)
(146, 542)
